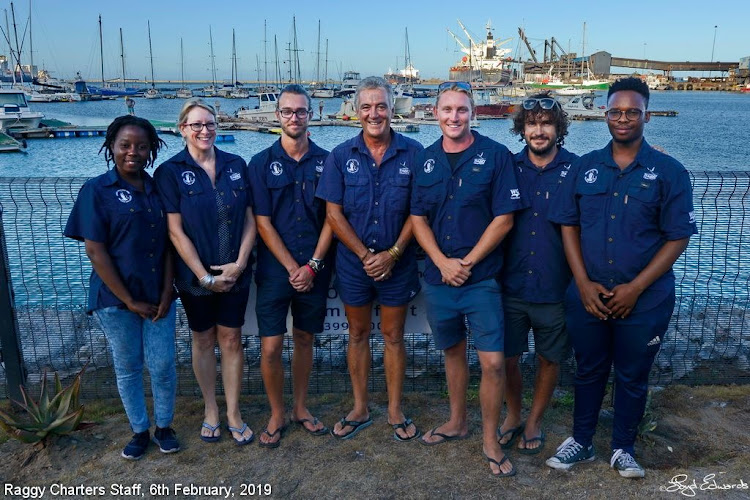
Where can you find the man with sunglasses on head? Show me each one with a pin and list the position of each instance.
(535, 274)
(292, 268)
(367, 186)
(464, 195)
(627, 216)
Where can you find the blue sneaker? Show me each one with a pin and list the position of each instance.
(136, 448)
(166, 439)
(569, 453)
(624, 463)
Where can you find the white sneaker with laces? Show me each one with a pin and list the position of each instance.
(624, 463)
(569, 453)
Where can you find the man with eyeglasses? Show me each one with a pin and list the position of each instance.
(464, 195)
(535, 274)
(627, 216)
(292, 266)
(367, 186)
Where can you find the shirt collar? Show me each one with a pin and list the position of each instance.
(278, 151)
(561, 157)
(114, 179)
(642, 158)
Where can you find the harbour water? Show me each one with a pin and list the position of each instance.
(709, 133)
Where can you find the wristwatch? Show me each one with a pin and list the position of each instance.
(317, 265)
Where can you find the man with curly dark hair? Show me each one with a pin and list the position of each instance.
(536, 273)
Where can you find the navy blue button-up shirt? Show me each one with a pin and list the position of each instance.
(461, 202)
(132, 225)
(627, 215)
(535, 267)
(186, 189)
(284, 190)
(375, 200)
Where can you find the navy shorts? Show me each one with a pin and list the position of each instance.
(357, 289)
(481, 305)
(547, 322)
(224, 309)
(275, 295)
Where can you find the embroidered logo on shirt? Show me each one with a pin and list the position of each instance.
(654, 341)
(691, 217)
(564, 171)
(404, 171)
(319, 166)
(234, 176)
(188, 177)
(591, 175)
(650, 175)
(429, 166)
(515, 194)
(352, 166)
(124, 195)
(276, 168)
(480, 159)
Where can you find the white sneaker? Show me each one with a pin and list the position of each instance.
(624, 463)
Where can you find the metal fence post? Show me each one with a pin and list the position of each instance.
(10, 347)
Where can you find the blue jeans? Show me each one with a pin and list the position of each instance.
(133, 340)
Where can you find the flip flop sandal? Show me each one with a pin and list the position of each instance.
(511, 472)
(314, 421)
(532, 451)
(514, 433)
(272, 444)
(355, 425)
(213, 428)
(403, 425)
(241, 431)
(445, 437)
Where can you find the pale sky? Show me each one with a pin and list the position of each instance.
(364, 36)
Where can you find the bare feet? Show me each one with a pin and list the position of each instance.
(270, 435)
(310, 423)
(499, 463)
(211, 417)
(446, 432)
(340, 430)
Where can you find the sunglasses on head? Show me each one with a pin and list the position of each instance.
(466, 86)
(542, 102)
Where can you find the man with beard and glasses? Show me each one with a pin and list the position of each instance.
(367, 187)
(535, 274)
(627, 215)
(291, 269)
(464, 196)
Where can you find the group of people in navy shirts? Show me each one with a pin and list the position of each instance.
(578, 250)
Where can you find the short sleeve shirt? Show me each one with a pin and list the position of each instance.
(132, 225)
(375, 200)
(284, 190)
(536, 269)
(461, 202)
(627, 215)
(186, 189)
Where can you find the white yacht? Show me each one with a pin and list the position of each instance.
(264, 112)
(15, 112)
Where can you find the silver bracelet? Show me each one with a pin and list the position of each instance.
(207, 281)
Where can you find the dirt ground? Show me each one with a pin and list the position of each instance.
(700, 447)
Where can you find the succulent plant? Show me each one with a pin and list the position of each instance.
(46, 418)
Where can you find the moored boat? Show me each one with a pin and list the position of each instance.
(264, 112)
(15, 111)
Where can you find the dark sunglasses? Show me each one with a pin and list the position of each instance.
(466, 86)
(542, 102)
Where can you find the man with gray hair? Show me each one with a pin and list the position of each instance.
(366, 183)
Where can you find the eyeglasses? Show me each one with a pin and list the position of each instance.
(615, 114)
(197, 127)
(542, 102)
(301, 113)
(465, 86)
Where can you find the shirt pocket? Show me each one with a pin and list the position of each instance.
(127, 217)
(642, 203)
(592, 201)
(476, 187)
(430, 191)
(356, 193)
(309, 187)
(398, 195)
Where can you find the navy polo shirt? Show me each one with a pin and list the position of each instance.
(375, 200)
(284, 190)
(132, 225)
(186, 189)
(461, 202)
(626, 216)
(535, 267)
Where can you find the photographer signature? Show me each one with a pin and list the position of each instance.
(683, 485)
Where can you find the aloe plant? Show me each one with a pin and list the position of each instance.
(46, 418)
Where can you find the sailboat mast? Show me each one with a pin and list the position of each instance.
(234, 61)
(101, 48)
(326, 73)
(265, 54)
(583, 49)
(296, 52)
(182, 65)
(122, 58)
(151, 55)
(213, 64)
(31, 48)
(317, 63)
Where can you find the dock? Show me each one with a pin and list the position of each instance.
(9, 145)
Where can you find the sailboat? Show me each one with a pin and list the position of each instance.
(183, 92)
(153, 92)
(211, 90)
(320, 89)
(403, 93)
(234, 90)
(91, 92)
